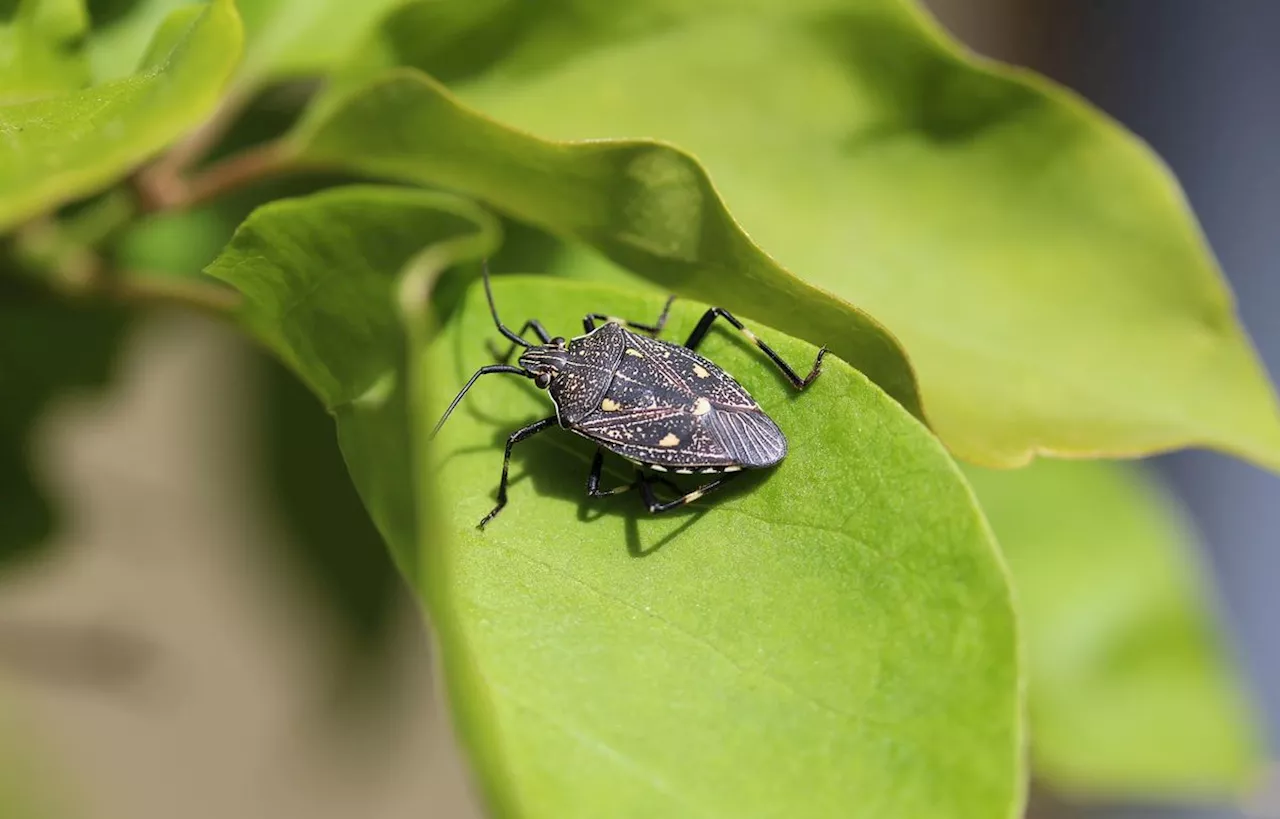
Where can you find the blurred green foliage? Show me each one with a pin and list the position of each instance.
(991, 256)
(1131, 688)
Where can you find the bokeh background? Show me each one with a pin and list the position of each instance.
(195, 645)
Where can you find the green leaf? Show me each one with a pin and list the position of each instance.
(62, 148)
(832, 638)
(40, 52)
(1132, 693)
(1037, 262)
(337, 253)
(284, 39)
(48, 348)
(645, 205)
(298, 38)
(116, 47)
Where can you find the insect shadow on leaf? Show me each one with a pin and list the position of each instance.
(657, 404)
(542, 463)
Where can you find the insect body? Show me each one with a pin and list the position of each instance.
(657, 404)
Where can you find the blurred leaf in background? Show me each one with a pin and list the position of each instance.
(122, 29)
(1133, 693)
(1037, 262)
(298, 38)
(65, 147)
(41, 49)
(50, 348)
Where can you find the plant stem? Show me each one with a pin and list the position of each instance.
(159, 291)
(163, 193)
(74, 270)
(247, 167)
(163, 179)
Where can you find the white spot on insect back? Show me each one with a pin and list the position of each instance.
(609, 405)
(669, 440)
(733, 469)
(657, 468)
(701, 407)
(701, 371)
(634, 352)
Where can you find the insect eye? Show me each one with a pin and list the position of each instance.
(542, 380)
(558, 341)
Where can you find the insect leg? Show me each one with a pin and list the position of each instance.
(531, 324)
(515, 438)
(593, 480)
(589, 322)
(657, 507)
(700, 332)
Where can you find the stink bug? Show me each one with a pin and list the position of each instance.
(659, 405)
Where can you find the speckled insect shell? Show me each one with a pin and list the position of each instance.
(658, 404)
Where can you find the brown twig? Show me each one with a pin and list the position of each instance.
(161, 180)
(162, 192)
(76, 271)
(255, 164)
(143, 290)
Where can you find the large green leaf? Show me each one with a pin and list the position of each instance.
(61, 148)
(40, 50)
(646, 205)
(834, 638)
(1131, 690)
(1038, 263)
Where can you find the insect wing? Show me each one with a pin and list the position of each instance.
(669, 436)
(670, 407)
(682, 370)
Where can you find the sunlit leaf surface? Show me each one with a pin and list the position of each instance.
(833, 638)
(1038, 264)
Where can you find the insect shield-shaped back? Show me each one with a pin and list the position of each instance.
(653, 402)
(662, 405)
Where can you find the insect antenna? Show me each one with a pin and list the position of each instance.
(493, 311)
(492, 368)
